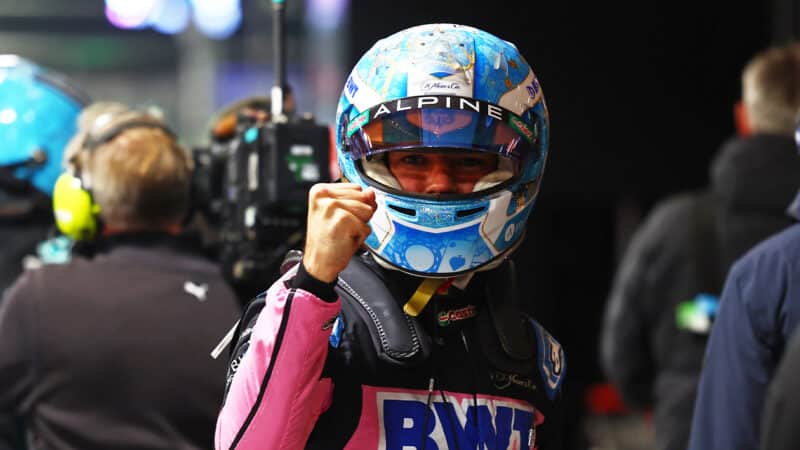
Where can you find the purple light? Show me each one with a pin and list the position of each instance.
(326, 14)
(129, 14)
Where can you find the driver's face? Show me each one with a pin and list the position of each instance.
(427, 172)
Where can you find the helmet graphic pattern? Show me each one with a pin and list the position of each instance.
(451, 68)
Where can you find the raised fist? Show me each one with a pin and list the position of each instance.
(338, 214)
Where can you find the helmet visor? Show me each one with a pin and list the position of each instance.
(442, 122)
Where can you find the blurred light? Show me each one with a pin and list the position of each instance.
(170, 16)
(129, 13)
(9, 60)
(326, 14)
(8, 116)
(224, 8)
(217, 19)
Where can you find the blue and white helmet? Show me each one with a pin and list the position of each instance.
(38, 113)
(444, 87)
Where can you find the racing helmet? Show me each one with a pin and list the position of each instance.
(38, 115)
(442, 88)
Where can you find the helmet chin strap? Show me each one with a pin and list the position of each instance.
(424, 293)
(430, 286)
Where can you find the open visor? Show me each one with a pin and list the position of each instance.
(442, 122)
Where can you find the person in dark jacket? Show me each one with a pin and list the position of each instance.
(39, 111)
(779, 430)
(759, 312)
(665, 293)
(111, 350)
(402, 326)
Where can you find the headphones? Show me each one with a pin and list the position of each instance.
(76, 213)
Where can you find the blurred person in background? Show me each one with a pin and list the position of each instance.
(665, 293)
(222, 126)
(759, 312)
(779, 430)
(401, 325)
(38, 112)
(111, 350)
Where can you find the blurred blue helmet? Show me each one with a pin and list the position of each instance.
(438, 88)
(38, 116)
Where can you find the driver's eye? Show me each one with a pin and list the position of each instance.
(413, 160)
(471, 162)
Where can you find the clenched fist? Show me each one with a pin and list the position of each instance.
(337, 226)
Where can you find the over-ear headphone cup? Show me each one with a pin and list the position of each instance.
(75, 211)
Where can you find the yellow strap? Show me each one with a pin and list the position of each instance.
(422, 296)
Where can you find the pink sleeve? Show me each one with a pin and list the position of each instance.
(276, 395)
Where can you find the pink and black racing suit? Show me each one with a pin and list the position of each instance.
(356, 373)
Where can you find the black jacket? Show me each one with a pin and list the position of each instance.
(112, 351)
(684, 248)
(25, 221)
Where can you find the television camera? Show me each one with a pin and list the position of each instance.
(251, 183)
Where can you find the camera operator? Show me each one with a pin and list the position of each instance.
(110, 350)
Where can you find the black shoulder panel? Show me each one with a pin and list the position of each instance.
(510, 323)
(512, 341)
(397, 338)
(506, 336)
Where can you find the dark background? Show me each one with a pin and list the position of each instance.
(640, 96)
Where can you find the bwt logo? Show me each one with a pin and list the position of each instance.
(411, 424)
(351, 87)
